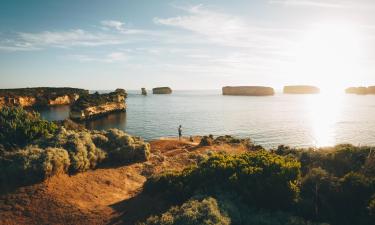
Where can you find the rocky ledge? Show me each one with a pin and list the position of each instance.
(162, 90)
(248, 90)
(40, 96)
(97, 105)
(301, 89)
(361, 90)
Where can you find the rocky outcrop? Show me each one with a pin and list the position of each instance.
(248, 90)
(28, 97)
(97, 105)
(144, 92)
(162, 90)
(301, 89)
(361, 90)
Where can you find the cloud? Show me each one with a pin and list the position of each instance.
(315, 3)
(342, 4)
(228, 30)
(109, 58)
(118, 25)
(63, 39)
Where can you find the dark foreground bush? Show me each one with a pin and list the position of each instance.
(261, 178)
(220, 211)
(19, 127)
(193, 212)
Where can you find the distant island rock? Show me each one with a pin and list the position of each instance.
(248, 90)
(162, 90)
(361, 90)
(40, 96)
(301, 89)
(144, 92)
(96, 105)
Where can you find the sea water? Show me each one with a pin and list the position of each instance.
(295, 120)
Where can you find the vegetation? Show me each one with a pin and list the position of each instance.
(193, 212)
(283, 186)
(34, 149)
(98, 99)
(19, 127)
(227, 139)
(261, 178)
(46, 92)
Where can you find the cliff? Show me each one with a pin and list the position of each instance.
(96, 105)
(301, 89)
(144, 92)
(248, 91)
(162, 90)
(361, 90)
(41, 96)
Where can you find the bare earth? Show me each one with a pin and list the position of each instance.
(105, 195)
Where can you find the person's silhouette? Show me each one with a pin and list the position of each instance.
(179, 132)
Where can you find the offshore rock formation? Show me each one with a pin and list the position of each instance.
(248, 90)
(301, 89)
(162, 90)
(361, 90)
(144, 92)
(41, 96)
(96, 105)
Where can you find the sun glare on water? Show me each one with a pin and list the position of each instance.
(328, 57)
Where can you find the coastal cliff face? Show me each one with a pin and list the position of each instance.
(144, 92)
(162, 90)
(248, 91)
(28, 97)
(301, 89)
(96, 105)
(361, 90)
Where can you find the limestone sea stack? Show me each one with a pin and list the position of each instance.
(144, 92)
(96, 105)
(301, 89)
(40, 96)
(248, 90)
(162, 90)
(361, 90)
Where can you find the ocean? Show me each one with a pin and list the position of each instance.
(294, 120)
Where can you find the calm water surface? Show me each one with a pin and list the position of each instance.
(296, 120)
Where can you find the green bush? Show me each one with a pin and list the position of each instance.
(55, 161)
(263, 179)
(121, 147)
(32, 164)
(193, 212)
(227, 139)
(83, 153)
(19, 127)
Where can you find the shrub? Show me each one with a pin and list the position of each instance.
(227, 139)
(55, 161)
(121, 147)
(84, 154)
(19, 127)
(263, 179)
(193, 212)
(32, 164)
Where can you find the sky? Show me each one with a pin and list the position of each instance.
(190, 44)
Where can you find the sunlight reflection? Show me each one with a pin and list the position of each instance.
(324, 112)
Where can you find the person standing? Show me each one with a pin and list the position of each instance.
(179, 132)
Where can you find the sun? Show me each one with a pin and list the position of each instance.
(329, 56)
